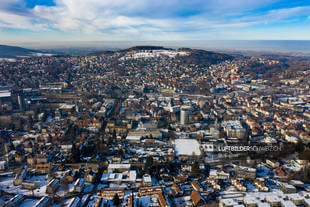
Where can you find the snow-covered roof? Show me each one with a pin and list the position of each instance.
(186, 147)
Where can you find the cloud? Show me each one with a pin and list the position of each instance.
(145, 19)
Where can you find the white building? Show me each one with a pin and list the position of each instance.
(185, 111)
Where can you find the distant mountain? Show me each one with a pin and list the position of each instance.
(14, 52)
(146, 47)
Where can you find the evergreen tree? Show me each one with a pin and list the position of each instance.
(75, 153)
(207, 170)
(116, 200)
(195, 171)
(114, 134)
(149, 164)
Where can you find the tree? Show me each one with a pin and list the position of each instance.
(207, 170)
(300, 146)
(114, 134)
(75, 153)
(149, 164)
(195, 171)
(116, 200)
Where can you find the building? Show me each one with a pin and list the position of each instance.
(44, 202)
(20, 175)
(184, 115)
(110, 192)
(162, 201)
(43, 168)
(149, 190)
(119, 167)
(3, 165)
(79, 184)
(52, 186)
(233, 128)
(146, 180)
(197, 198)
(245, 172)
(74, 202)
(15, 201)
(29, 185)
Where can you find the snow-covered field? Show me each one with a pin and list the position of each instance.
(154, 53)
(186, 147)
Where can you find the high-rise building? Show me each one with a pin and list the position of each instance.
(185, 111)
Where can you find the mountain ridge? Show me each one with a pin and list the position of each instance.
(7, 51)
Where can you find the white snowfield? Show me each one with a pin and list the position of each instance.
(186, 147)
(153, 53)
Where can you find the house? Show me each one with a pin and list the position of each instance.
(250, 201)
(3, 165)
(66, 148)
(143, 191)
(15, 201)
(228, 202)
(245, 172)
(287, 188)
(74, 202)
(180, 178)
(110, 192)
(62, 190)
(195, 185)
(273, 164)
(69, 176)
(43, 168)
(297, 183)
(52, 186)
(41, 159)
(196, 198)
(260, 185)
(273, 200)
(20, 175)
(134, 139)
(146, 180)
(162, 201)
(214, 183)
(130, 202)
(44, 202)
(238, 185)
(296, 198)
(31, 160)
(90, 176)
(29, 185)
(176, 190)
(119, 167)
(287, 203)
(79, 184)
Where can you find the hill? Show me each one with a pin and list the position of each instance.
(184, 56)
(14, 52)
(145, 47)
(203, 57)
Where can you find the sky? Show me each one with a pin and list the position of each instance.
(153, 20)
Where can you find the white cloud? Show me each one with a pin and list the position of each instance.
(145, 19)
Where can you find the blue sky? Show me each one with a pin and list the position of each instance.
(149, 20)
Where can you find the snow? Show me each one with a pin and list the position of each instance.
(186, 147)
(154, 53)
(6, 184)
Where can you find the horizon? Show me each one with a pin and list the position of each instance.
(235, 46)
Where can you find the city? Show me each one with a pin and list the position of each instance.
(165, 103)
(150, 126)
